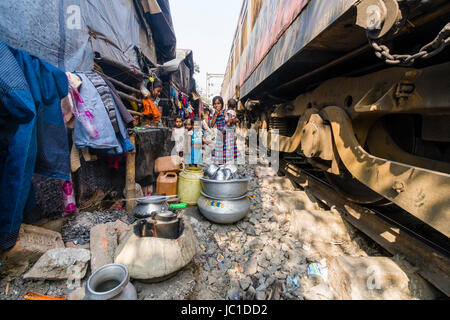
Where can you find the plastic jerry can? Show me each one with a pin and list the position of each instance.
(169, 163)
(167, 183)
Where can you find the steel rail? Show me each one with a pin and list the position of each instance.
(435, 267)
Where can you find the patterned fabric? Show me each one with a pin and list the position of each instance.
(220, 121)
(105, 95)
(126, 116)
(222, 153)
(196, 154)
(94, 104)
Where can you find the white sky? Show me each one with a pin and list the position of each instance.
(207, 28)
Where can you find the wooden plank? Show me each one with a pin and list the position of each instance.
(130, 183)
(432, 265)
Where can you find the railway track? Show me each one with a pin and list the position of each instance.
(428, 252)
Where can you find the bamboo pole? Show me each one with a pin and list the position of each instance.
(122, 85)
(135, 113)
(130, 182)
(128, 97)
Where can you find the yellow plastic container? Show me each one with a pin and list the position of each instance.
(189, 185)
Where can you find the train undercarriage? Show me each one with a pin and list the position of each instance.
(379, 138)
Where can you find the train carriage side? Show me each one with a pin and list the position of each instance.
(360, 89)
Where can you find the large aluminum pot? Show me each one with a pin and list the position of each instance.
(225, 189)
(224, 211)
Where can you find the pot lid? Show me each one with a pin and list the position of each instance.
(151, 199)
(165, 215)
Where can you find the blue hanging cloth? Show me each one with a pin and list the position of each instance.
(32, 131)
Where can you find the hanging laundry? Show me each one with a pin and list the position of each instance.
(105, 94)
(190, 112)
(122, 135)
(32, 131)
(83, 115)
(94, 104)
(126, 116)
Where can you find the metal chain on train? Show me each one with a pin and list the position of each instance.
(429, 50)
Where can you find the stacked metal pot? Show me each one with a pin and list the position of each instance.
(224, 194)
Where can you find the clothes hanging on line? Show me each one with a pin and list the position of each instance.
(126, 115)
(94, 107)
(105, 93)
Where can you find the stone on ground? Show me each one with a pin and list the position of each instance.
(55, 225)
(320, 292)
(276, 183)
(288, 201)
(369, 278)
(61, 263)
(31, 244)
(324, 231)
(104, 239)
(179, 287)
(77, 294)
(262, 171)
(77, 246)
(103, 243)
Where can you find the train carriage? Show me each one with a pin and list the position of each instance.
(358, 89)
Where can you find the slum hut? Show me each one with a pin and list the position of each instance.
(95, 61)
(179, 96)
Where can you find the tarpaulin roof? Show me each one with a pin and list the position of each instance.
(182, 55)
(67, 33)
(157, 15)
(180, 71)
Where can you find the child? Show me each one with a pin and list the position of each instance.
(205, 119)
(178, 136)
(195, 139)
(230, 115)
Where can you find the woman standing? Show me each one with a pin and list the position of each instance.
(225, 149)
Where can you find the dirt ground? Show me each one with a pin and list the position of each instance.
(260, 257)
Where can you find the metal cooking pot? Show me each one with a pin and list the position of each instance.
(227, 173)
(225, 189)
(220, 176)
(110, 282)
(211, 170)
(233, 168)
(146, 206)
(224, 211)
